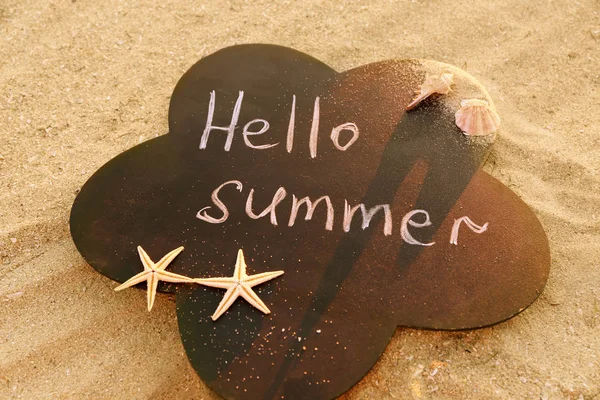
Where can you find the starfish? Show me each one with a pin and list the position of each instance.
(155, 272)
(240, 284)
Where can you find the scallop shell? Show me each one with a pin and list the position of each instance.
(433, 84)
(475, 117)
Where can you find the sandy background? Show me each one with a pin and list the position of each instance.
(81, 81)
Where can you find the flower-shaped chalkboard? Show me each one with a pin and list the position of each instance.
(362, 216)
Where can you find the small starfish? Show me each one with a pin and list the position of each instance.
(155, 272)
(240, 284)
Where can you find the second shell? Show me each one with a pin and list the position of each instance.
(475, 117)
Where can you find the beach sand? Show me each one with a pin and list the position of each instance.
(82, 81)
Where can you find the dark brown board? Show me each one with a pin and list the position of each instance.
(343, 293)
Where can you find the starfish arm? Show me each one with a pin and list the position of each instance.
(230, 296)
(173, 278)
(222, 283)
(257, 279)
(134, 280)
(166, 260)
(148, 264)
(252, 298)
(240, 266)
(152, 285)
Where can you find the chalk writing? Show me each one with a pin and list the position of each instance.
(406, 220)
(251, 129)
(229, 129)
(246, 132)
(335, 134)
(289, 145)
(310, 209)
(348, 215)
(314, 129)
(367, 216)
(203, 215)
(271, 209)
(472, 225)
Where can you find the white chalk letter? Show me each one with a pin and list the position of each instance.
(246, 132)
(314, 129)
(335, 135)
(407, 221)
(277, 198)
(472, 225)
(310, 209)
(290, 133)
(229, 129)
(367, 216)
(203, 215)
